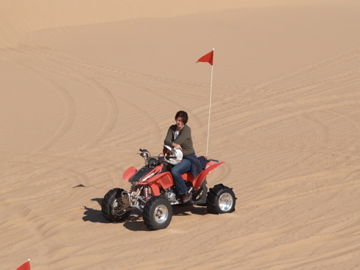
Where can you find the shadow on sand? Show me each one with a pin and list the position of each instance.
(94, 215)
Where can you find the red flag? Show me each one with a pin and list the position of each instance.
(207, 58)
(25, 266)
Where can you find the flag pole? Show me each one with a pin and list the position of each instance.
(209, 58)
(210, 101)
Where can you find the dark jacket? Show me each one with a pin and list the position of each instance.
(186, 143)
(197, 164)
(184, 139)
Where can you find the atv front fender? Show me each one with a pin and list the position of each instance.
(158, 182)
(129, 173)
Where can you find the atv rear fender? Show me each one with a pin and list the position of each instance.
(197, 182)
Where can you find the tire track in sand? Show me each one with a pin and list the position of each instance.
(50, 66)
(67, 99)
(95, 76)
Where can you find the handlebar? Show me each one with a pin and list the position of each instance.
(144, 153)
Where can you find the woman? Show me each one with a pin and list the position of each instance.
(179, 137)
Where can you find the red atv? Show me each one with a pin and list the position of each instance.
(153, 192)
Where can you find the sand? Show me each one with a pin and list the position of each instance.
(85, 84)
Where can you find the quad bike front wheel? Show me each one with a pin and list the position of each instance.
(157, 213)
(112, 206)
(220, 199)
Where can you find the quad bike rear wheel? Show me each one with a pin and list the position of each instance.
(157, 213)
(220, 199)
(112, 207)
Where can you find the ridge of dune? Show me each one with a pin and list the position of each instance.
(20, 17)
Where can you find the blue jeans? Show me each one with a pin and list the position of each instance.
(176, 171)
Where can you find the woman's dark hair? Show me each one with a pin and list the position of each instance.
(183, 115)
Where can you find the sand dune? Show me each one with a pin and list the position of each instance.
(85, 84)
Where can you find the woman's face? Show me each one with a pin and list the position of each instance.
(179, 123)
